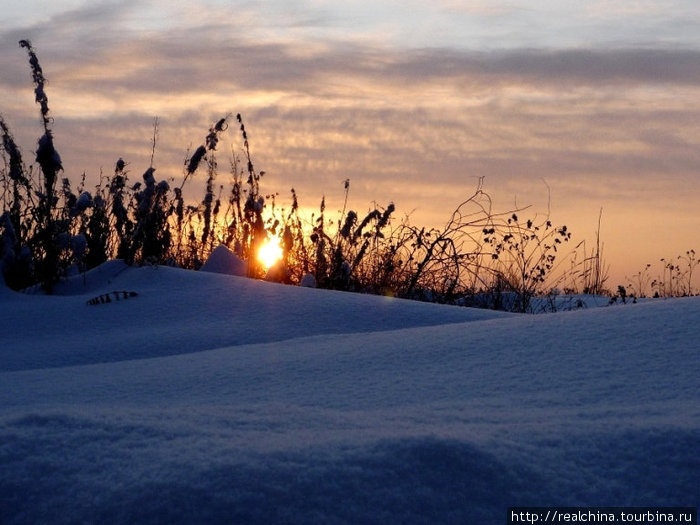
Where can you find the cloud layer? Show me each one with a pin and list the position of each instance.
(612, 124)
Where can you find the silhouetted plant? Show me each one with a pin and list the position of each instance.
(640, 282)
(122, 226)
(480, 257)
(594, 271)
(48, 231)
(15, 223)
(676, 279)
(687, 263)
(295, 254)
(449, 262)
(524, 254)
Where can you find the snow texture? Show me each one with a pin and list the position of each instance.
(211, 398)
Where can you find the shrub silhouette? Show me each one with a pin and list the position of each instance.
(45, 230)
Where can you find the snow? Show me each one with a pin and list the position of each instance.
(223, 260)
(210, 398)
(308, 281)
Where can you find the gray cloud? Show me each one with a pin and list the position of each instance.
(276, 66)
(203, 54)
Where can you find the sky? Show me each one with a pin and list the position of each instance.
(569, 107)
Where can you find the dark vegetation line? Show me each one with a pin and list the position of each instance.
(481, 257)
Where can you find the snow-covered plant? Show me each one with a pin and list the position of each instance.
(210, 208)
(17, 194)
(151, 238)
(48, 264)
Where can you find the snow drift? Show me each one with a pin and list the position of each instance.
(209, 398)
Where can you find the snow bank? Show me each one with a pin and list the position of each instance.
(180, 311)
(210, 398)
(223, 260)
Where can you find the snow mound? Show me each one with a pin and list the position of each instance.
(223, 260)
(183, 311)
(308, 281)
(216, 399)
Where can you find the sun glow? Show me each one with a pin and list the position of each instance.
(270, 252)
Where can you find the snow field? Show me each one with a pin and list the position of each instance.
(216, 399)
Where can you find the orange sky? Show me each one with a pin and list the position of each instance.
(600, 105)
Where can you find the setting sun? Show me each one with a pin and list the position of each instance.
(270, 252)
